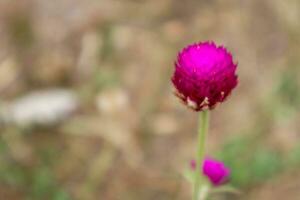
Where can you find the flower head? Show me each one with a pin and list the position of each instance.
(214, 170)
(205, 74)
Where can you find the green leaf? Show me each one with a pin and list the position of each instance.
(226, 189)
(189, 175)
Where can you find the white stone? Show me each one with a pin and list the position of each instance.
(45, 107)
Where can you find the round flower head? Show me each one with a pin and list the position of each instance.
(204, 75)
(214, 170)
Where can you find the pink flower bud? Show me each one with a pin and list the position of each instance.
(214, 170)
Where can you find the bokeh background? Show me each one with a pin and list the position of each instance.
(87, 110)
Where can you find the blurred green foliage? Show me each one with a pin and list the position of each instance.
(252, 163)
(107, 49)
(284, 101)
(38, 182)
(43, 186)
(288, 89)
(105, 78)
(21, 31)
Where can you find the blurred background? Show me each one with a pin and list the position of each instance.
(87, 110)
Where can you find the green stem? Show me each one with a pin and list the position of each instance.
(203, 127)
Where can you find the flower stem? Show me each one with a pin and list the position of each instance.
(202, 132)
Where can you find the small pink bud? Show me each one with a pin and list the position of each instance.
(214, 170)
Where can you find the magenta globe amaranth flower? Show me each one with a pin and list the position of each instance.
(205, 75)
(214, 170)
